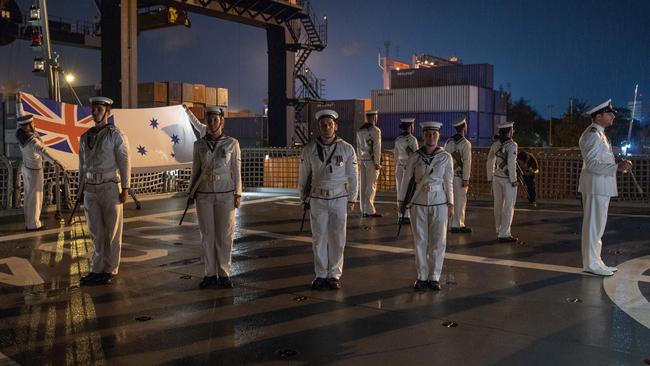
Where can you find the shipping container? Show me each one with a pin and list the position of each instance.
(351, 117)
(174, 92)
(480, 75)
(485, 100)
(199, 93)
(199, 112)
(187, 92)
(426, 100)
(152, 92)
(486, 127)
(250, 131)
(222, 97)
(210, 96)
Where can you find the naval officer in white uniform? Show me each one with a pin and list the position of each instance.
(369, 152)
(502, 172)
(105, 178)
(461, 151)
(216, 185)
(597, 185)
(33, 152)
(328, 184)
(428, 193)
(405, 145)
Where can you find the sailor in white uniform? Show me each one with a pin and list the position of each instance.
(216, 185)
(461, 151)
(502, 172)
(597, 185)
(369, 152)
(104, 181)
(405, 145)
(33, 152)
(328, 185)
(428, 193)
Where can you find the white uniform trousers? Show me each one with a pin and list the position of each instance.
(460, 202)
(429, 226)
(328, 227)
(369, 176)
(216, 212)
(104, 217)
(33, 196)
(399, 175)
(505, 196)
(593, 227)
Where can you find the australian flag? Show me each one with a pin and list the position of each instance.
(159, 138)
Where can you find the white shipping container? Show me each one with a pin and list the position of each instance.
(426, 100)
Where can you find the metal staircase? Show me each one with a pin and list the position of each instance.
(308, 34)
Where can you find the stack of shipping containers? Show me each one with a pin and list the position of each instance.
(250, 131)
(196, 96)
(441, 94)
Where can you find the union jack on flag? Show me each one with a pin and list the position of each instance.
(60, 125)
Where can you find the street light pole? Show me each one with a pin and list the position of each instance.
(47, 52)
(629, 130)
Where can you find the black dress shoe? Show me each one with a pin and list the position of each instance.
(371, 215)
(106, 279)
(434, 285)
(208, 282)
(510, 239)
(333, 283)
(465, 230)
(455, 230)
(225, 282)
(89, 279)
(319, 284)
(420, 285)
(40, 228)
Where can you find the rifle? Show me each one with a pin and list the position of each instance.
(76, 204)
(410, 191)
(305, 209)
(458, 160)
(520, 178)
(305, 206)
(187, 206)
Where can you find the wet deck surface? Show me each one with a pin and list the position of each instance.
(513, 304)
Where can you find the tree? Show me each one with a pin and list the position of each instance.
(567, 131)
(529, 125)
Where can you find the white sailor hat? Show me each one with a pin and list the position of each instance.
(431, 125)
(603, 107)
(459, 121)
(101, 100)
(372, 112)
(214, 109)
(407, 120)
(327, 113)
(25, 119)
(506, 124)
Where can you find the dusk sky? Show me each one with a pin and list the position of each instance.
(544, 51)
